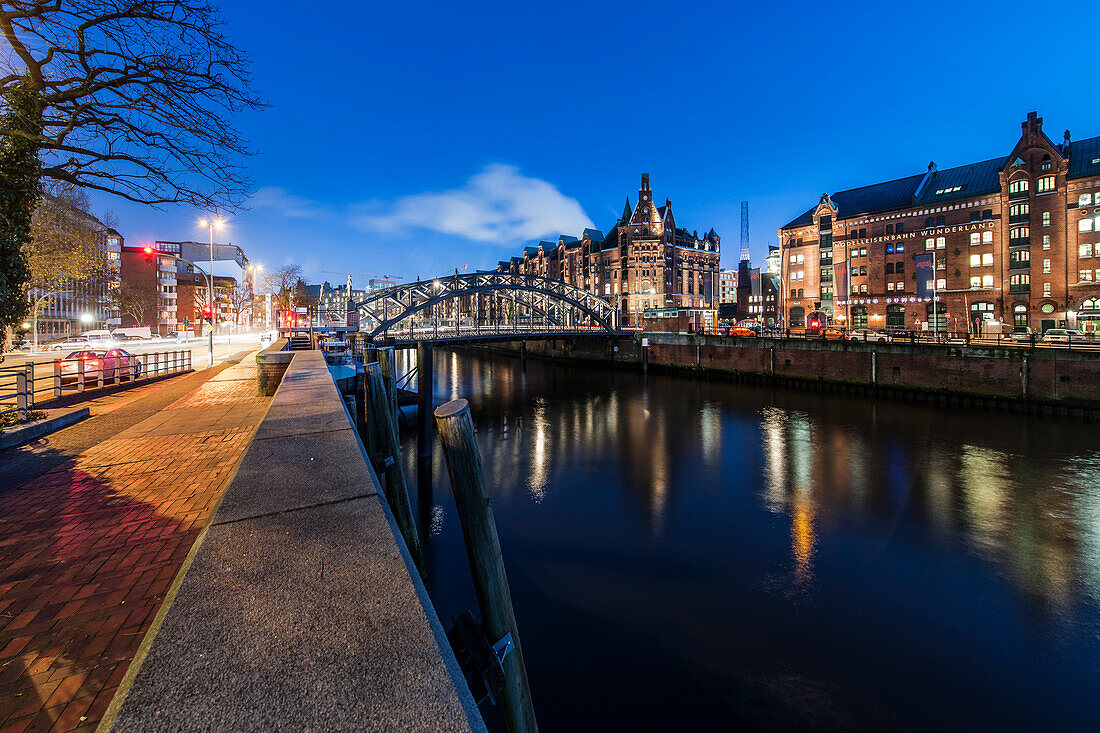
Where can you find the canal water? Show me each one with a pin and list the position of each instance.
(692, 555)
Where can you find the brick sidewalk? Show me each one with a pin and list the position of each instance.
(89, 549)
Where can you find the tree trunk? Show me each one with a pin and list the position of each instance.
(20, 170)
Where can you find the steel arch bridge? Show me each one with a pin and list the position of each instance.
(481, 305)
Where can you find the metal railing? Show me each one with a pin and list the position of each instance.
(1091, 342)
(24, 386)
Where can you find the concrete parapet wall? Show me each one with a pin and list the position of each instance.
(1056, 376)
(273, 362)
(300, 608)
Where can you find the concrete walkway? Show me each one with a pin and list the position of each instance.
(95, 523)
(300, 610)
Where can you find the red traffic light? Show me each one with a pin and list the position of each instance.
(149, 252)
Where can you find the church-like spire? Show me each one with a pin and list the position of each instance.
(627, 211)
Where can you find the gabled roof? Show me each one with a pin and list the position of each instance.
(593, 234)
(1084, 158)
(877, 197)
(567, 238)
(975, 179)
(533, 251)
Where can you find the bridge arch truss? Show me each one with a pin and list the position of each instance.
(483, 301)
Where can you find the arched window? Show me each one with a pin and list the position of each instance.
(1019, 315)
(798, 317)
(895, 316)
(859, 316)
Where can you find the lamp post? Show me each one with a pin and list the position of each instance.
(212, 224)
(255, 269)
(150, 252)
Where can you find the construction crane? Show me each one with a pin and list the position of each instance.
(745, 231)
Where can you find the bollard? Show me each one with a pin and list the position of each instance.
(397, 493)
(22, 396)
(479, 531)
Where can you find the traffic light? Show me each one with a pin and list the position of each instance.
(208, 313)
(149, 252)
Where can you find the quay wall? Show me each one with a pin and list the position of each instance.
(1055, 382)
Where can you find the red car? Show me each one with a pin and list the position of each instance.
(112, 364)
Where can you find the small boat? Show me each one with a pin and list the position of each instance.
(336, 351)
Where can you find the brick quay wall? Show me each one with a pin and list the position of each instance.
(1043, 381)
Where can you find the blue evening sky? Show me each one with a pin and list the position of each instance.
(411, 138)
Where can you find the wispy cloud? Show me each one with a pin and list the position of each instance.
(280, 201)
(498, 205)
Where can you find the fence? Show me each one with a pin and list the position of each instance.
(24, 386)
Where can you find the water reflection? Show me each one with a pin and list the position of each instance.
(771, 534)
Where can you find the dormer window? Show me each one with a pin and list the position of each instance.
(1045, 165)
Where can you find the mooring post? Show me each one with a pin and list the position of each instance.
(397, 494)
(425, 377)
(456, 436)
(523, 354)
(387, 360)
(368, 430)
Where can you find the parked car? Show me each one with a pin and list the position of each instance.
(743, 331)
(1022, 333)
(111, 363)
(1063, 336)
(832, 333)
(868, 334)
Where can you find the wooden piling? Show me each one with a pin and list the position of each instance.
(387, 359)
(397, 494)
(456, 435)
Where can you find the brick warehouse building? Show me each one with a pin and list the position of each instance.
(645, 263)
(1017, 242)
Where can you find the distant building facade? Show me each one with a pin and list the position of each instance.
(1016, 241)
(182, 290)
(727, 286)
(644, 263)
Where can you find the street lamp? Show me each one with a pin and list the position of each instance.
(213, 223)
(256, 269)
(150, 252)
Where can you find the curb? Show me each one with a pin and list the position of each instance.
(18, 436)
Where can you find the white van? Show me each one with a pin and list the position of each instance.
(133, 332)
(97, 338)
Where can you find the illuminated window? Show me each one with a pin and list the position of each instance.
(1046, 183)
(987, 281)
(1084, 199)
(1085, 225)
(1046, 290)
(987, 237)
(1046, 218)
(1046, 267)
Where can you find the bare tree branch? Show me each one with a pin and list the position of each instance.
(138, 96)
